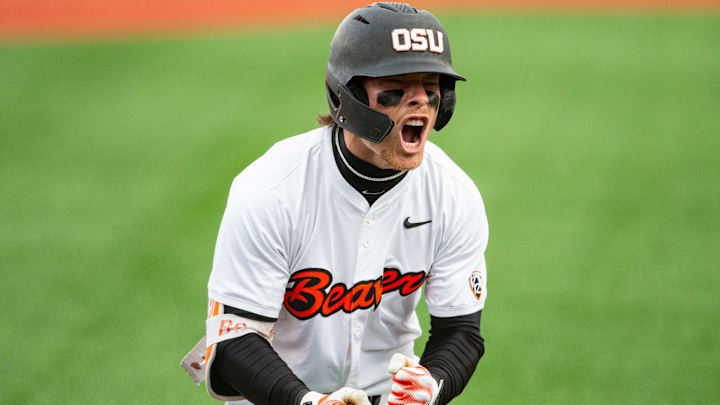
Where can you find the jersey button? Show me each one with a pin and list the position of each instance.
(370, 220)
(367, 243)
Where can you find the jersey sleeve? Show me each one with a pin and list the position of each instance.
(250, 265)
(456, 284)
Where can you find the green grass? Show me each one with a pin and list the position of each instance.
(594, 139)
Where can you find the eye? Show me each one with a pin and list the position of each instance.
(390, 98)
(433, 99)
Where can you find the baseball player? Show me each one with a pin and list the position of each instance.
(328, 238)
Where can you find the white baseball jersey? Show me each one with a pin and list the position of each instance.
(343, 278)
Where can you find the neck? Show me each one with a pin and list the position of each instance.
(359, 167)
(356, 146)
(371, 181)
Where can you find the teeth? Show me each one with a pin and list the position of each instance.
(414, 123)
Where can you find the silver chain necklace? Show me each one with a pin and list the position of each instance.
(355, 172)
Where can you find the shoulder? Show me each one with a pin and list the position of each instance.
(457, 204)
(444, 176)
(455, 198)
(256, 187)
(284, 158)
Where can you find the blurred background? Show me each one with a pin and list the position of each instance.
(592, 129)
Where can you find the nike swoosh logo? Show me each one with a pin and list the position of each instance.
(407, 224)
(367, 192)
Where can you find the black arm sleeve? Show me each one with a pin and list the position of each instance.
(453, 351)
(249, 365)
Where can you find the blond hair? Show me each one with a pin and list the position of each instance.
(326, 120)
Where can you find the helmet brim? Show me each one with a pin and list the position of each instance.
(417, 66)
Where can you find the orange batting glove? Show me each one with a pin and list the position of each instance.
(412, 383)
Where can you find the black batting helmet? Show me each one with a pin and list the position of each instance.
(385, 39)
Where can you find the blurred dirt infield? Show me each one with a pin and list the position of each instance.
(52, 18)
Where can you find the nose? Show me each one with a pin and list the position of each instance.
(417, 96)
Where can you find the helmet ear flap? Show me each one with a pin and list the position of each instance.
(358, 90)
(333, 99)
(447, 102)
(366, 122)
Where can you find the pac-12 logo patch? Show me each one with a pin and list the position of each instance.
(476, 283)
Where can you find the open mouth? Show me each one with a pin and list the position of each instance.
(412, 132)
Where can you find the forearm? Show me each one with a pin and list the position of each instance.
(250, 366)
(452, 352)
